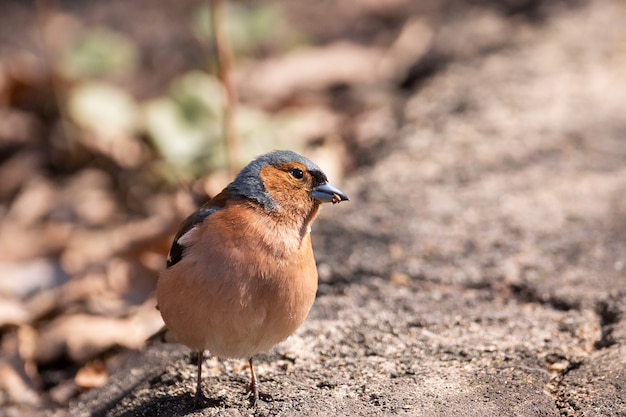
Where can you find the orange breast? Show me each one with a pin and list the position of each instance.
(248, 284)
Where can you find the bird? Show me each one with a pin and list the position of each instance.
(240, 275)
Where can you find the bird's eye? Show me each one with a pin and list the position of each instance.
(297, 173)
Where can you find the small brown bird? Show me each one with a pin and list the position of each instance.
(240, 275)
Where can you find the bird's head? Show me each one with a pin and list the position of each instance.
(283, 181)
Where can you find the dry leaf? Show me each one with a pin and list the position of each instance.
(93, 375)
(13, 312)
(312, 69)
(27, 278)
(18, 389)
(81, 337)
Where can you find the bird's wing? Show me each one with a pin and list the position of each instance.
(215, 204)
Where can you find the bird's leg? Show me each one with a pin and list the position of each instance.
(253, 388)
(198, 399)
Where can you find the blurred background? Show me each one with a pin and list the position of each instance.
(112, 131)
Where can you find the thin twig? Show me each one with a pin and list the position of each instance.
(44, 11)
(224, 65)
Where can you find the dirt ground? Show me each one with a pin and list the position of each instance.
(479, 268)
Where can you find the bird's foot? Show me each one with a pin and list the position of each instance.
(199, 400)
(256, 395)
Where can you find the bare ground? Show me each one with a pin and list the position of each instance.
(480, 267)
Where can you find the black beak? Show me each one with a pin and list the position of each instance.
(326, 193)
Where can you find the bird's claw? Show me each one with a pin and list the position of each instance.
(198, 400)
(256, 395)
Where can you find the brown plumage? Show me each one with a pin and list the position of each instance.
(241, 274)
